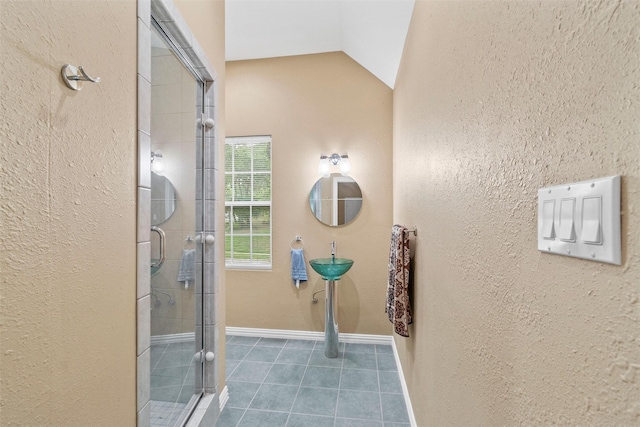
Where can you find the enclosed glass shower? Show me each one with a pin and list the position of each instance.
(177, 240)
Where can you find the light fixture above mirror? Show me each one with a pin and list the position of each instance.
(335, 159)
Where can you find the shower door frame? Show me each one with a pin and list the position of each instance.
(165, 15)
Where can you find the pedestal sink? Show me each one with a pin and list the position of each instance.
(331, 269)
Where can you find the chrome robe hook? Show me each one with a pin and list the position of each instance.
(73, 80)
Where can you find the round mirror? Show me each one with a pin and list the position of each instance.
(335, 200)
(163, 199)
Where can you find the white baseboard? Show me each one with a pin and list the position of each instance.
(403, 383)
(172, 338)
(224, 397)
(308, 335)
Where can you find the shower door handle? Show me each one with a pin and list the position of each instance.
(162, 239)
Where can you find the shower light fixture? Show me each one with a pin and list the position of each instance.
(334, 159)
(157, 164)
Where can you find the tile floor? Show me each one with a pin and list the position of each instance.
(290, 383)
(172, 382)
(166, 414)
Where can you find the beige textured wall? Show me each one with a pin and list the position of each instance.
(493, 101)
(313, 105)
(206, 21)
(68, 259)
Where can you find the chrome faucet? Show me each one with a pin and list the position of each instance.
(333, 250)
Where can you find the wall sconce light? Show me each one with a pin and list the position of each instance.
(334, 159)
(157, 164)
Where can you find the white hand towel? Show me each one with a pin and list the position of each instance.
(187, 271)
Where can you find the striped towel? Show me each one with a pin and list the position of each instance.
(398, 307)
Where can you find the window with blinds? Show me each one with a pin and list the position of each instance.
(247, 214)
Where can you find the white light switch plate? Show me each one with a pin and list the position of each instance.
(577, 239)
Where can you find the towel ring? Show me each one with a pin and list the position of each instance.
(297, 240)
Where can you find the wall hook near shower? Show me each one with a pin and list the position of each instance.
(74, 76)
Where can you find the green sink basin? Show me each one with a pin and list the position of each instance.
(331, 269)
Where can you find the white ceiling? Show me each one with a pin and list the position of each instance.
(372, 32)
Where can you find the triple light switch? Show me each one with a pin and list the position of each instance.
(581, 220)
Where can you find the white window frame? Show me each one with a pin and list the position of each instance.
(250, 264)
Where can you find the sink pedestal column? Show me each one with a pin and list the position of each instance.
(331, 320)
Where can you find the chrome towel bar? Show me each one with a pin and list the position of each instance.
(414, 231)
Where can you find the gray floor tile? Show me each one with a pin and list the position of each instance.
(254, 372)
(285, 374)
(360, 361)
(320, 376)
(237, 352)
(274, 397)
(166, 394)
(319, 359)
(229, 417)
(272, 342)
(309, 345)
(172, 371)
(186, 393)
(158, 381)
(389, 382)
(229, 338)
(158, 348)
(182, 352)
(386, 362)
(315, 401)
(359, 379)
(362, 405)
(187, 346)
(296, 356)
(254, 418)
(230, 366)
(394, 408)
(347, 422)
(384, 348)
(297, 420)
(165, 413)
(191, 374)
(291, 383)
(172, 380)
(241, 394)
(174, 358)
(245, 340)
(321, 346)
(360, 348)
(263, 354)
(156, 353)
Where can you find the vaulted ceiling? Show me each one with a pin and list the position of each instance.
(372, 32)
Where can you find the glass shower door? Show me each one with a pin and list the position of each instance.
(176, 272)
